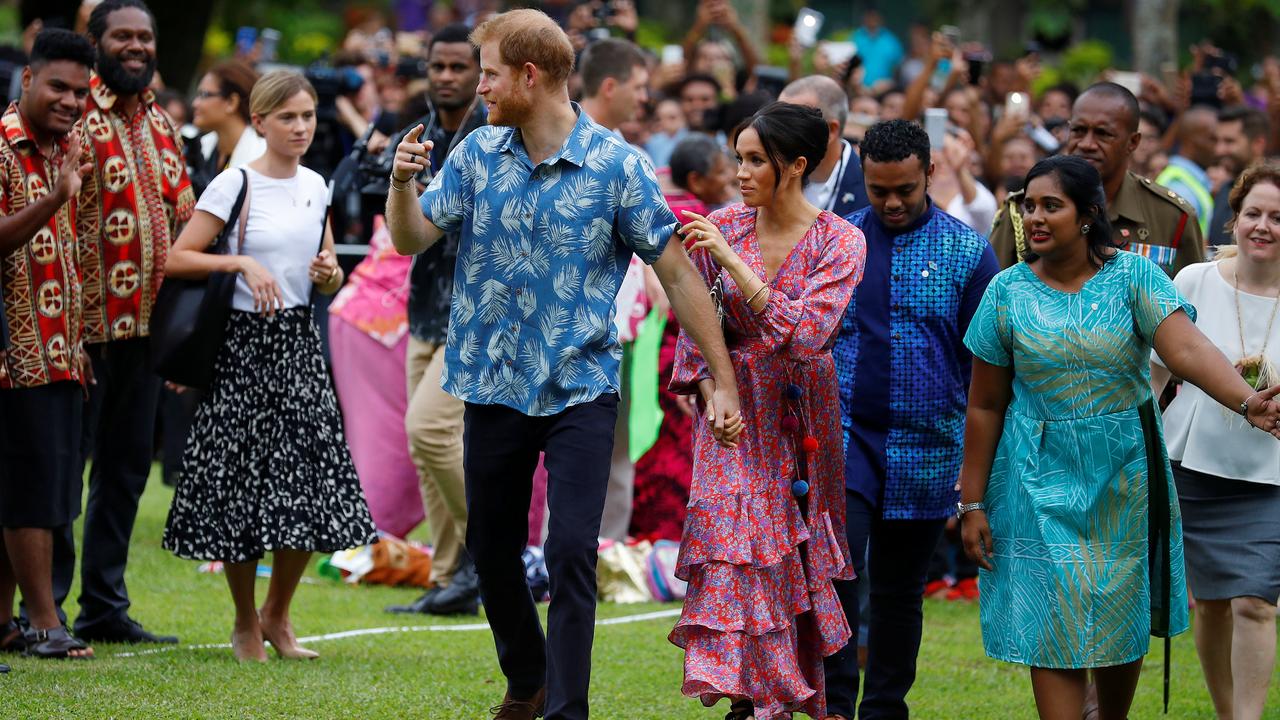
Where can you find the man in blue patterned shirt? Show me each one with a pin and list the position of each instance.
(550, 207)
(904, 376)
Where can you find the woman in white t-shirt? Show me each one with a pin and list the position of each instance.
(266, 467)
(1228, 473)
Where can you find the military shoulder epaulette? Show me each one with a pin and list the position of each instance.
(1166, 194)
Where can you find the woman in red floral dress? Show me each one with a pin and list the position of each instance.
(764, 536)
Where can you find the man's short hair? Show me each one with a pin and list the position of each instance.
(698, 78)
(1252, 121)
(528, 36)
(455, 33)
(1120, 93)
(98, 18)
(608, 58)
(55, 44)
(832, 100)
(894, 141)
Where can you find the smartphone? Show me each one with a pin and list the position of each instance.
(245, 38)
(1043, 138)
(935, 125)
(1204, 89)
(672, 55)
(808, 25)
(952, 34)
(1018, 104)
(1130, 81)
(270, 41)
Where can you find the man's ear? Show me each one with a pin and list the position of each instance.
(27, 76)
(530, 73)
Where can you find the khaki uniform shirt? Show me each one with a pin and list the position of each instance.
(1148, 219)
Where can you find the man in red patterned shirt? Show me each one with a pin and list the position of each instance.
(42, 372)
(131, 208)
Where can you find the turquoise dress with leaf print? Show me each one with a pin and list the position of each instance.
(1083, 512)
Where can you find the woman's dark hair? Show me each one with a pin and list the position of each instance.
(788, 132)
(696, 153)
(1082, 184)
(236, 77)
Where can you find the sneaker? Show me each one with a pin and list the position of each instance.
(965, 590)
(937, 588)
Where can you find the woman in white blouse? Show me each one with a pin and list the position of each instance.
(1228, 473)
(266, 468)
(221, 112)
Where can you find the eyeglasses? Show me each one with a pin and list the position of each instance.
(205, 95)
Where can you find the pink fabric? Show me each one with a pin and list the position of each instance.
(538, 504)
(375, 297)
(761, 612)
(370, 382)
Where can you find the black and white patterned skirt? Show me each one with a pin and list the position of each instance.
(266, 465)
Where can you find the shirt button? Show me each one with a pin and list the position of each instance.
(508, 363)
(519, 292)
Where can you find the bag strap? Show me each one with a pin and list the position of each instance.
(324, 226)
(220, 243)
(244, 212)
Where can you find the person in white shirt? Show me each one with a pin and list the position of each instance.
(220, 110)
(266, 467)
(1228, 473)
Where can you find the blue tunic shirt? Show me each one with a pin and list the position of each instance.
(902, 364)
(541, 255)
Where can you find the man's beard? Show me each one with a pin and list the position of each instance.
(121, 81)
(457, 102)
(511, 112)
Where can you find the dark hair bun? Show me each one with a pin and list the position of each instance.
(789, 132)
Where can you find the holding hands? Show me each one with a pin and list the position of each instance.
(1264, 411)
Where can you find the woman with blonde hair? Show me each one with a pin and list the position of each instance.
(1228, 473)
(266, 467)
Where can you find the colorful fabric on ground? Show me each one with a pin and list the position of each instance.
(131, 208)
(375, 297)
(40, 282)
(1068, 497)
(761, 612)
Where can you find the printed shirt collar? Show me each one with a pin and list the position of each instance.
(105, 98)
(18, 134)
(574, 149)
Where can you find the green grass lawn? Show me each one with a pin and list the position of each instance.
(434, 674)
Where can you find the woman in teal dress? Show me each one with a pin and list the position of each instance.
(1067, 499)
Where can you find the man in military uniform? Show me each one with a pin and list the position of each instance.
(1148, 219)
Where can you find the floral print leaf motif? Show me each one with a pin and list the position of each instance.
(562, 237)
(550, 176)
(597, 237)
(482, 217)
(511, 173)
(553, 324)
(601, 156)
(587, 323)
(447, 205)
(527, 303)
(568, 282)
(597, 285)
(464, 307)
(580, 194)
(634, 192)
(469, 348)
(513, 215)
(641, 226)
(494, 296)
(535, 362)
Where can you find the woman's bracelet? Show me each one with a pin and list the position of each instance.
(756, 294)
(1244, 406)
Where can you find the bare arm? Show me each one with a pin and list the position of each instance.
(1191, 356)
(990, 390)
(411, 232)
(693, 308)
(188, 259)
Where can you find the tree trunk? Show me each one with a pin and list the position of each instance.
(1154, 29)
(180, 30)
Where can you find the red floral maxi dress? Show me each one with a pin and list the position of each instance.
(759, 552)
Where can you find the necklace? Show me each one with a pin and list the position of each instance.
(1256, 364)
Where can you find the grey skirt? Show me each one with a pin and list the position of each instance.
(1231, 532)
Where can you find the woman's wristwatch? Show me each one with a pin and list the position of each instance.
(963, 507)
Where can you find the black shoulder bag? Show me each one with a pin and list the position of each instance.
(189, 321)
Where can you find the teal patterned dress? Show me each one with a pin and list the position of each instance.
(1083, 514)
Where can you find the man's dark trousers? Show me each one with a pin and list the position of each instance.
(897, 553)
(500, 454)
(119, 430)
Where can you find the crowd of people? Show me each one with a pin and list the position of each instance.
(907, 324)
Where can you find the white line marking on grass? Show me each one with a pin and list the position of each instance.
(468, 627)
